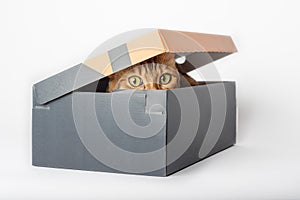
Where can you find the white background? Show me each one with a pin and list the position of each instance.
(41, 38)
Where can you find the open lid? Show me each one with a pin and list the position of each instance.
(131, 48)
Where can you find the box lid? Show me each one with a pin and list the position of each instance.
(133, 47)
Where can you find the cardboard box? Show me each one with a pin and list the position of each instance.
(77, 125)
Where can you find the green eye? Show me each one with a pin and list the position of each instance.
(165, 79)
(135, 81)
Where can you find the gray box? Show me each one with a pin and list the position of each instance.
(65, 132)
(77, 125)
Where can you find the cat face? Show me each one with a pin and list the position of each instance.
(147, 76)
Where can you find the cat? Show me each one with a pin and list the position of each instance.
(158, 73)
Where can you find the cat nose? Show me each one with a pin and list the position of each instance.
(151, 86)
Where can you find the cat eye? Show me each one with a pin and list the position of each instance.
(135, 81)
(165, 79)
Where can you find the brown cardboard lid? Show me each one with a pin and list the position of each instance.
(156, 42)
(132, 50)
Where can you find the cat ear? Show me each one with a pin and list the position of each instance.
(166, 59)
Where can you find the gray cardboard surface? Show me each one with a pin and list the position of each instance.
(206, 137)
(60, 143)
(106, 131)
(64, 83)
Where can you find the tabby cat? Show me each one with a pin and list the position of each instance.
(158, 73)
